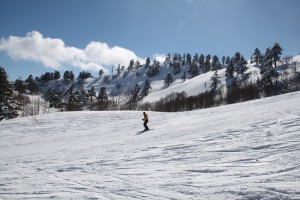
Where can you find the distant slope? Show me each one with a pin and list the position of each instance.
(248, 150)
(121, 84)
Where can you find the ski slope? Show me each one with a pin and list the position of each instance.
(249, 150)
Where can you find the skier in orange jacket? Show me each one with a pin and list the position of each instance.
(145, 119)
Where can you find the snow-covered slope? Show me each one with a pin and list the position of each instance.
(249, 150)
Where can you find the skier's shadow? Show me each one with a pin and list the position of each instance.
(141, 132)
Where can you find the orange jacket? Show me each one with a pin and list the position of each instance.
(145, 117)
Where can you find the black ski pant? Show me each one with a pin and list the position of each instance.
(145, 124)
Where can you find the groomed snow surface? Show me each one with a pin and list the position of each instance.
(249, 150)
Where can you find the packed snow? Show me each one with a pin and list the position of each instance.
(249, 150)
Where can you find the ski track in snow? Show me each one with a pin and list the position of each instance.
(241, 151)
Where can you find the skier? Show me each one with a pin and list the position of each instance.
(145, 119)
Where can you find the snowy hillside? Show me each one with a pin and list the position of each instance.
(249, 150)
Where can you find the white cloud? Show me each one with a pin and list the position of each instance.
(160, 57)
(53, 53)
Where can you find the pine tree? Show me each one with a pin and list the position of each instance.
(131, 64)
(267, 70)
(207, 63)
(147, 62)
(70, 98)
(240, 64)
(276, 52)
(227, 60)
(230, 70)
(146, 88)
(56, 75)
(256, 57)
(194, 69)
(168, 58)
(68, 76)
(215, 64)
(168, 80)
(183, 77)
(215, 81)
(101, 72)
(154, 69)
(138, 64)
(31, 84)
(201, 63)
(223, 60)
(7, 109)
(84, 75)
(92, 93)
(102, 103)
(47, 77)
(188, 58)
(135, 93)
(19, 86)
(102, 96)
(119, 70)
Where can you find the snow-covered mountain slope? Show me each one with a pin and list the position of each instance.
(249, 150)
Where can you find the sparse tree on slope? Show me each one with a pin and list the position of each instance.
(131, 64)
(101, 72)
(215, 81)
(146, 88)
(168, 80)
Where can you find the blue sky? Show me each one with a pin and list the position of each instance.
(46, 35)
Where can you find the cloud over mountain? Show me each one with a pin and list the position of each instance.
(53, 53)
